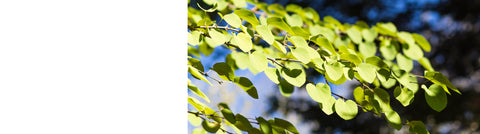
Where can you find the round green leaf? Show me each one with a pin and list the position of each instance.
(359, 95)
(239, 3)
(264, 125)
(224, 71)
(346, 109)
(389, 51)
(273, 74)
(413, 51)
(334, 71)
(404, 96)
(258, 62)
(367, 49)
(298, 41)
(246, 85)
(286, 89)
(369, 34)
(376, 61)
(294, 75)
(327, 105)
(217, 38)
(355, 35)
(265, 33)
(242, 60)
(227, 114)
(302, 54)
(279, 23)
(394, 119)
(244, 41)
(211, 127)
(426, 64)
(194, 38)
(194, 120)
(404, 63)
(351, 57)
(436, 97)
(325, 44)
(233, 20)
(294, 20)
(417, 127)
(199, 131)
(366, 72)
(422, 41)
(279, 9)
(320, 92)
(406, 37)
(242, 123)
(440, 79)
(247, 15)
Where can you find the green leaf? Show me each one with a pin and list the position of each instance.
(227, 114)
(404, 63)
(359, 95)
(404, 96)
(294, 8)
(246, 85)
(273, 74)
(389, 26)
(417, 127)
(294, 75)
(314, 15)
(211, 127)
(264, 125)
(217, 37)
(294, 20)
(376, 61)
(383, 99)
(197, 91)
(196, 74)
(413, 51)
(389, 51)
(369, 34)
(383, 75)
(279, 9)
(258, 62)
(440, 79)
(196, 104)
(325, 44)
(351, 57)
(325, 32)
(298, 31)
(346, 110)
(242, 123)
(426, 64)
(242, 60)
(422, 41)
(224, 71)
(194, 120)
(239, 3)
(302, 54)
(394, 119)
(244, 42)
(355, 35)
(205, 48)
(334, 71)
(199, 131)
(367, 49)
(320, 92)
(248, 16)
(405, 36)
(233, 20)
(366, 72)
(280, 47)
(436, 97)
(265, 33)
(331, 20)
(279, 23)
(286, 125)
(286, 89)
(298, 41)
(196, 64)
(327, 105)
(194, 38)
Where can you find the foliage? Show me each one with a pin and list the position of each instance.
(379, 57)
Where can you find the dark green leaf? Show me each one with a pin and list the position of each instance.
(211, 127)
(436, 97)
(246, 85)
(242, 123)
(264, 125)
(286, 125)
(286, 89)
(417, 127)
(224, 71)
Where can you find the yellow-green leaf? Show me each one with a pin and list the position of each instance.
(258, 62)
(403, 95)
(413, 51)
(404, 63)
(197, 91)
(334, 71)
(369, 34)
(248, 16)
(422, 41)
(273, 74)
(294, 75)
(233, 20)
(244, 42)
(266, 34)
(366, 72)
(279, 23)
(194, 38)
(346, 109)
(319, 93)
(355, 35)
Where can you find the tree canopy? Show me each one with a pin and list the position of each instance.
(287, 43)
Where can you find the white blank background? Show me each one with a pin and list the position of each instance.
(93, 66)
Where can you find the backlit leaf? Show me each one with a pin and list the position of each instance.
(233, 20)
(413, 51)
(440, 79)
(197, 91)
(265, 33)
(369, 34)
(248, 16)
(239, 3)
(194, 38)
(294, 20)
(407, 37)
(301, 54)
(355, 35)
(367, 49)
(404, 96)
(246, 85)
(242, 60)
(436, 97)
(426, 64)
(367, 72)
(404, 63)
(277, 8)
(280, 47)
(273, 74)
(352, 58)
(346, 109)
(194, 120)
(389, 51)
(196, 74)
(417, 127)
(264, 125)
(327, 105)
(279, 23)
(325, 44)
(298, 41)
(319, 93)
(258, 62)
(286, 125)
(294, 75)
(244, 42)
(334, 71)
(376, 61)
(393, 119)
(422, 42)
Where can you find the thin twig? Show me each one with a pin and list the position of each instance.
(226, 28)
(275, 61)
